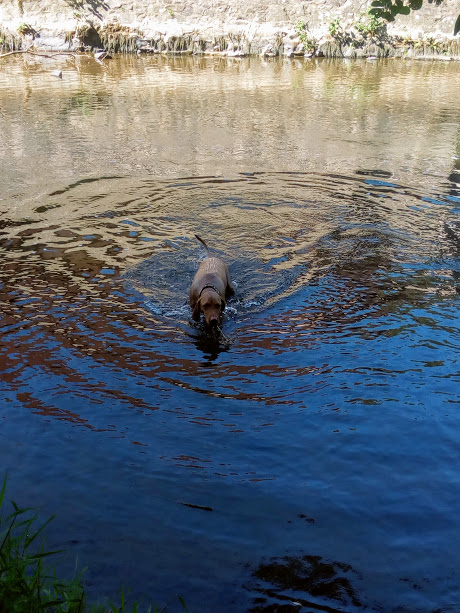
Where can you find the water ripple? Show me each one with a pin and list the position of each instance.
(341, 365)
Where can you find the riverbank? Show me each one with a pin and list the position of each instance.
(323, 28)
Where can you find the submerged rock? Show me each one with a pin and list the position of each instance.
(268, 51)
(102, 55)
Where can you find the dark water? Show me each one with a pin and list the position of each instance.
(308, 461)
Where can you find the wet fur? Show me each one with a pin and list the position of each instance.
(210, 301)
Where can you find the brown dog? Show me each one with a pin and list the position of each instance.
(210, 289)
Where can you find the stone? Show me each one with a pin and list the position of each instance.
(268, 51)
(102, 55)
(349, 53)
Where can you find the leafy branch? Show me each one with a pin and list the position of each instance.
(388, 9)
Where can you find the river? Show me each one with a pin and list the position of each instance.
(311, 454)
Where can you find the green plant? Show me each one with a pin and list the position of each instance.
(27, 585)
(433, 43)
(388, 9)
(170, 11)
(301, 31)
(135, 607)
(25, 28)
(300, 27)
(335, 29)
(370, 24)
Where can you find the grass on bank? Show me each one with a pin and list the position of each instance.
(29, 584)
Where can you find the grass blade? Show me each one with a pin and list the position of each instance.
(32, 538)
(2, 492)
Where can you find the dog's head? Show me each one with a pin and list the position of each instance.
(211, 305)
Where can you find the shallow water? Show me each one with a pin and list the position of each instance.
(310, 456)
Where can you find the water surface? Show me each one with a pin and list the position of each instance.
(309, 457)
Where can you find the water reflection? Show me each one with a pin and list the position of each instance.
(160, 116)
(211, 345)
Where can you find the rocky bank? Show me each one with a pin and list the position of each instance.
(330, 28)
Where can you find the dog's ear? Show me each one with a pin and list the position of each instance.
(222, 304)
(196, 313)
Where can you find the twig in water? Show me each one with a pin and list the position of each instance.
(15, 52)
(38, 54)
(225, 338)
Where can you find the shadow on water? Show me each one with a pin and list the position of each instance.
(293, 584)
(210, 342)
(310, 584)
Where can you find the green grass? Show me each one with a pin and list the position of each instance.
(308, 43)
(335, 28)
(370, 24)
(29, 584)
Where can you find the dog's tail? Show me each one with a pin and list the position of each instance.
(203, 243)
